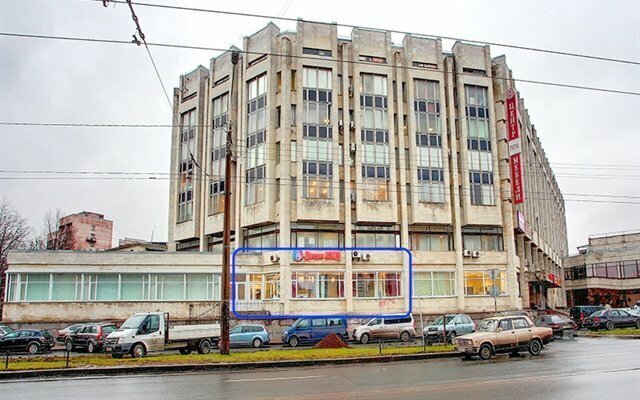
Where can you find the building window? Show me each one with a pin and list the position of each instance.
(316, 52)
(434, 284)
(479, 146)
(256, 138)
(317, 235)
(216, 197)
(272, 286)
(375, 138)
(317, 145)
(478, 283)
(65, 287)
(432, 239)
(482, 238)
(630, 269)
(377, 284)
(187, 147)
(429, 141)
(373, 59)
(263, 237)
(317, 285)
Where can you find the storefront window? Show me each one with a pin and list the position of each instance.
(434, 284)
(478, 283)
(377, 284)
(317, 285)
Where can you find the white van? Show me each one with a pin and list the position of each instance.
(386, 328)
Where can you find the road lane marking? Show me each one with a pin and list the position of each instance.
(272, 379)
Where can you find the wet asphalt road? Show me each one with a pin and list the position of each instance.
(581, 368)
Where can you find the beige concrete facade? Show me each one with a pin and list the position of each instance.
(606, 271)
(529, 252)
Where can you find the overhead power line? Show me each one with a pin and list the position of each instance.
(406, 67)
(352, 26)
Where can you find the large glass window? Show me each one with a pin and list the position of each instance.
(482, 238)
(317, 167)
(429, 141)
(133, 287)
(35, 287)
(377, 284)
(431, 241)
(375, 138)
(317, 285)
(65, 287)
(479, 283)
(256, 139)
(434, 284)
(479, 146)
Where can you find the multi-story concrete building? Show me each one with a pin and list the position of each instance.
(82, 231)
(606, 271)
(360, 142)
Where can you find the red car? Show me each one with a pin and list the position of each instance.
(90, 338)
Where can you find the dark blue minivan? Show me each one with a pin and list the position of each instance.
(311, 330)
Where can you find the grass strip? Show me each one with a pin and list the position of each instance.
(619, 332)
(103, 360)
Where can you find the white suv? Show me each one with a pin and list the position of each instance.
(385, 328)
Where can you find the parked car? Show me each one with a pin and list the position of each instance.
(63, 333)
(503, 334)
(611, 319)
(455, 324)
(26, 341)
(90, 337)
(248, 335)
(385, 328)
(312, 330)
(521, 313)
(4, 330)
(579, 313)
(558, 323)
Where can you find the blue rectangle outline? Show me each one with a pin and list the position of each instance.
(346, 316)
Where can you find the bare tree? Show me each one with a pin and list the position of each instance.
(55, 236)
(14, 231)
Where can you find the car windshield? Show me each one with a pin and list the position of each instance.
(375, 321)
(11, 335)
(133, 322)
(7, 329)
(237, 329)
(439, 320)
(557, 320)
(488, 325)
(597, 313)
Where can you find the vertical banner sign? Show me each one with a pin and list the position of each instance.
(515, 148)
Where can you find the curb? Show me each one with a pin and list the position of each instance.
(595, 335)
(145, 369)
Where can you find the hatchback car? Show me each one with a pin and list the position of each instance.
(558, 324)
(63, 333)
(90, 337)
(4, 330)
(611, 319)
(26, 341)
(385, 328)
(248, 335)
(453, 324)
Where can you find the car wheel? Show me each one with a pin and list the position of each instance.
(452, 335)
(204, 347)
(91, 347)
(257, 343)
(638, 324)
(485, 352)
(364, 339)
(33, 348)
(116, 355)
(68, 345)
(405, 336)
(294, 341)
(535, 347)
(184, 351)
(610, 325)
(138, 351)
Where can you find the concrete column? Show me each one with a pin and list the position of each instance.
(348, 280)
(522, 254)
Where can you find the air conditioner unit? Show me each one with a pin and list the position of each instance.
(352, 125)
(340, 123)
(352, 148)
(466, 253)
(275, 258)
(366, 257)
(352, 196)
(350, 91)
(356, 255)
(475, 254)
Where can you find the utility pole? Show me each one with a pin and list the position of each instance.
(226, 229)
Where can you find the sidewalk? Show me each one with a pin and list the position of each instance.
(147, 369)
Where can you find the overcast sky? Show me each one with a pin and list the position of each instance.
(72, 82)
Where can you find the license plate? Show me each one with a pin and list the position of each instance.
(108, 349)
(462, 349)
